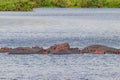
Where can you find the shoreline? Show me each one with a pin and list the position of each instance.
(28, 5)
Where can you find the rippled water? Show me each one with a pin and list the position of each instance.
(45, 27)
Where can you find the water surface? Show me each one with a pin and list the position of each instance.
(45, 27)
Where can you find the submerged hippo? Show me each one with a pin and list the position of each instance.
(63, 49)
(26, 50)
(100, 49)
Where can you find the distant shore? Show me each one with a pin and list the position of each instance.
(28, 5)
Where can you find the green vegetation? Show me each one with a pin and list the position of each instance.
(27, 5)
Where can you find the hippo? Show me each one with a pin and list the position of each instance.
(69, 51)
(59, 47)
(26, 50)
(63, 48)
(99, 49)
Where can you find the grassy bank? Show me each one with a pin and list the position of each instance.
(27, 5)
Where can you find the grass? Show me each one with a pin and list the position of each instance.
(28, 5)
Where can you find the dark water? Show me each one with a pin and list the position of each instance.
(45, 27)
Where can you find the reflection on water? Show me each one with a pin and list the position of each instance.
(80, 28)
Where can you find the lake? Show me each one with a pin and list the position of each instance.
(45, 27)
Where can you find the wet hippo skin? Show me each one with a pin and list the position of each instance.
(60, 49)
